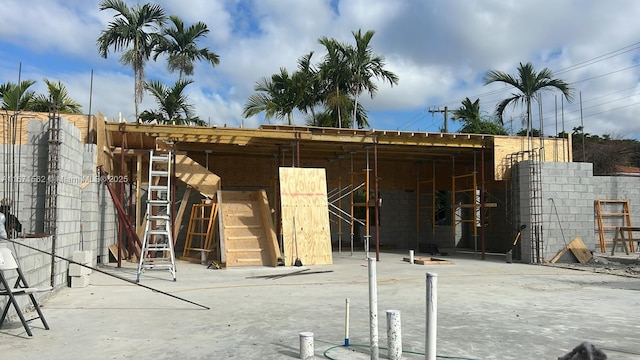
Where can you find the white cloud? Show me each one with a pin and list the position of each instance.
(440, 49)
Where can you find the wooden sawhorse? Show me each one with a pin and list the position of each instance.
(619, 237)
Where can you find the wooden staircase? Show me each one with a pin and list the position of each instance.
(247, 232)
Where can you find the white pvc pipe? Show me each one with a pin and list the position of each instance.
(373, 310)
(366, 246)
(394, 334)
(432, 316)
(346, 323)
(410, 256)
(306, 345)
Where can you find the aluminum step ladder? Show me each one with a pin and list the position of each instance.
(157, 243)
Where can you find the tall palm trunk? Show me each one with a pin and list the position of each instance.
(355, 110)
(339, 117)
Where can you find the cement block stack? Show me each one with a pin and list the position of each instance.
(79, 275)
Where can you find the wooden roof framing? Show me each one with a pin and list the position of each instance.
(313, 142)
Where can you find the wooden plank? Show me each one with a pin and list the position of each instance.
(113, 249)
(428, 261)
(178, 220)
(196, 176)
(303, 194)
(559, 254)
(579, 250)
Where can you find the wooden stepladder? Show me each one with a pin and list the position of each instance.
(157, 243)
(201, 231)
(610, 216)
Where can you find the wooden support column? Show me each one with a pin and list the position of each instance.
(180, 214)
(138, 194)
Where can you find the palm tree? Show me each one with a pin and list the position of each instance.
(364, 66)
(308, 82)
(180, 45)
(277, 97)
(473, 123)
(173, 107)
(334, 73)
(528, 83)
(132, 31)
(57, 98)
(17, 97)
(262, 100)
(468, 112)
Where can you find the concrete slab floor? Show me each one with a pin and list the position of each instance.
(487, 309)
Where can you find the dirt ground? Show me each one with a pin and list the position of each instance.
(628, 266)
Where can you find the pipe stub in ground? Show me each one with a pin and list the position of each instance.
(306, 345)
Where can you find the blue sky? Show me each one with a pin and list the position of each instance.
(440, 50)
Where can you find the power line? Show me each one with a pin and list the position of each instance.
(576, 66)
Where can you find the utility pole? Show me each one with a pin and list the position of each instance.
(445, 111)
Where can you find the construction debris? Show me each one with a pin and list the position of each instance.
(428, 261)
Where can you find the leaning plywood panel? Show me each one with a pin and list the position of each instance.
(303, 194)
(248, 233)
(196, 176)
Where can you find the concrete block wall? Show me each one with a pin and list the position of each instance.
(397, 219)
(79, 203)
(567, 210)
(30, 201)
(69, 209)
(567, 205)
(98, 219)
(617, 188)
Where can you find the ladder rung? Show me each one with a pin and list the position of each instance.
(157, 202)
(158, 188)
(152, 266)
(159, 217)
(155, 247)
(158, 232)
(163, 173)
(160, 158)
(197, 233)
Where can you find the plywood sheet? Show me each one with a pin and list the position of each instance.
(247, 229)
(555, 150)
(579, 250)
(196, 176)
(303, 194)
(85, 123)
